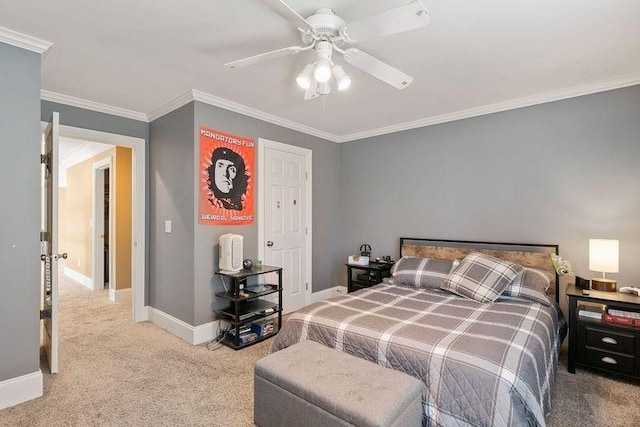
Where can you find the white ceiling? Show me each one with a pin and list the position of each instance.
(474, 57)
(73, 151)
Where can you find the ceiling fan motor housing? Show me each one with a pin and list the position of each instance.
(326, 24)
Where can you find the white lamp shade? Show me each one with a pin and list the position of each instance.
(323, 70)
(603, 255)
(304, 78)
(343, 80)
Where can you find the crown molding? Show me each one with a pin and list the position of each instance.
(196, 95)
(557, 95)
(206, 98)
(24, 41)
(261, 115)
(91, 105)
(171, 105)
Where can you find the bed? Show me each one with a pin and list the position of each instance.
(481, 363)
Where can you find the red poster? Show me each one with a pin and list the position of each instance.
(226, 178)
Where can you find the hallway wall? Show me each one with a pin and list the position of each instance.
(76, 214)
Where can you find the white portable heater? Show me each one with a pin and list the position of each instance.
(231, 254)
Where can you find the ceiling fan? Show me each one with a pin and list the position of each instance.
(326, 33)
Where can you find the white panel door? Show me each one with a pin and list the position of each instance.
(285, 230)
(50, 256)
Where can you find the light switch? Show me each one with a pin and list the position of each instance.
(167, 226)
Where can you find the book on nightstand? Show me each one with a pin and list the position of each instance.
(624, 313)
(621, 320)
(592, 311)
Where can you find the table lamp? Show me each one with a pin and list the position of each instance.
(603, 256)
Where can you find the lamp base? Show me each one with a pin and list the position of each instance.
(606, 285)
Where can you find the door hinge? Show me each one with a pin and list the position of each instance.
(306, 175)
(44, 236)
(307, 286)
(306, 230)
(44, 159)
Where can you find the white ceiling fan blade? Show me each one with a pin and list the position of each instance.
(377, 68)
(402, 18)
(291, 50)
(312, 91)
(284, 10)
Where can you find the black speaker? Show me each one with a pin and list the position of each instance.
(582, 283)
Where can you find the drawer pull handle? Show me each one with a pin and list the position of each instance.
(609, 360)
(609, 340)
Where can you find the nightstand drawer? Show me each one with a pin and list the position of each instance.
(609, 340)
(609, 360)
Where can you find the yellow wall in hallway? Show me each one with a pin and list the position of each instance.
(75, 215)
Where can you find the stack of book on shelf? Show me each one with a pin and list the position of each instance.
(629, 318)
(262, 328)
(591, 310)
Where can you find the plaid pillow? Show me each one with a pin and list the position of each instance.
(481, 277)
(425, 273)
(531, 285)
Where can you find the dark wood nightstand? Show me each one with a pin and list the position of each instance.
(598, 344)
(363, 276)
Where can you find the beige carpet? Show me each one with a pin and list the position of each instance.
(116, 373)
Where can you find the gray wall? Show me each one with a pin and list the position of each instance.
(182, 279)
(561, 172)
(325, 207)
(20, 212)
(171, 187)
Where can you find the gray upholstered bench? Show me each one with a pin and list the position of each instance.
(311, 385)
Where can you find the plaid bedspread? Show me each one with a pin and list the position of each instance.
(482, 364)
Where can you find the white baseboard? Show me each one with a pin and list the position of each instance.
(20, 389)
(192, 334)
(205, 333)
(78, 277)
(143, 315)
(328, 293)
(117, 295)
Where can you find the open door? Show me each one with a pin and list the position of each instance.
(50, 244)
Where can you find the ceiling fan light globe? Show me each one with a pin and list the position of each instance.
(323, 70)
(344, 82)
(304, 78)
(303, 81)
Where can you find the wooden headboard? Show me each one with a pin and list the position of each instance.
(526, 254)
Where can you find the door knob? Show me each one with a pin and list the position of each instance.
(269, 243)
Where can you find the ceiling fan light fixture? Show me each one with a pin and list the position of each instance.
(323, 70)
(304, 78)
(343, 80)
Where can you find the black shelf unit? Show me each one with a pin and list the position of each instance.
(244, 310)
(364, 276)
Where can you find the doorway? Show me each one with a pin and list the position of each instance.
(284, 217)
(137, 250)
(102, 222)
